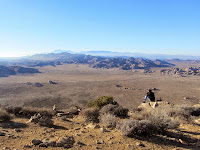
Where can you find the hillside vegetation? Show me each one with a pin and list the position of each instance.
(156, 125)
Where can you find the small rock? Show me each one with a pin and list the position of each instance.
(83, 131)
(99, 142)
(67, 142)
(2, 134)
(17, 130)
(10, 135)
(80, 144)
(49, 142)
(110, 138)
(6, 148)
(36, 141)
(186, 98)
(97, 126)
(98, 148)
(27, 146)
(43, 145)
(104, 130)
(77, 128)
(140, 144)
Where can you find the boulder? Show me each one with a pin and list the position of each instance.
(66, 142)
(36, 141)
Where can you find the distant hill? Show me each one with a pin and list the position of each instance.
(13, 70)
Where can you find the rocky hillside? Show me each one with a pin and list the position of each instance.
(181, 72)
(13, 70)
(155, 125)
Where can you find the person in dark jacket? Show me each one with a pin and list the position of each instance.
(150, 96)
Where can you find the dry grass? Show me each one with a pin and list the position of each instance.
(91, 114)
(4, 116)
(115, 110)
(132, 128)
(27, 112)
(108, 120)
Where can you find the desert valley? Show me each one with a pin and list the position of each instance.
(68, 85)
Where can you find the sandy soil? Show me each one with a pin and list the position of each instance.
(85, 133)
(78, 84)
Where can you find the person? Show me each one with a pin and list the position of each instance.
(150, 96)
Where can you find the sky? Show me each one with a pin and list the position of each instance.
(143, 26)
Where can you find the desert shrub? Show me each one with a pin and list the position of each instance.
(133, 128)
(196, 112)
(183, 112)
(91, 114)
(13, 110)
(27, 112)
(108, 120)
(101, 101)
(74, 110)
(116, 110)
(160, 119)
(4, 116)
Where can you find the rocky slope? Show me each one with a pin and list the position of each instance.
(13, 70)
(181, 72)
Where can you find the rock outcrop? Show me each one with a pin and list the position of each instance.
(181, 72)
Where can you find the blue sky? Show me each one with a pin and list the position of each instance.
(145, 26)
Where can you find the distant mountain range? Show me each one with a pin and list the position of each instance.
(127, 54)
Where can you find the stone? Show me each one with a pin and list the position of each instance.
(81, 144)
(104, 130)
(27, 146)
(43, 145)
(49, 142)
(197, 121)
(67, 142)
(6, 148)
(10, 135)
(2, 133)
(36, 141)
(97, 126)
(140, 144)
(17, 130)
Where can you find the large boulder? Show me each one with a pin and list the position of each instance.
(151, 105)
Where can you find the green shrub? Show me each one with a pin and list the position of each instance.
(101, 101)
(4, 116)
(91, 114)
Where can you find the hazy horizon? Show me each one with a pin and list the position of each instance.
(147, 26)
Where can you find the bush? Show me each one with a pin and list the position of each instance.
(101, 101)
(116, 110)
(4, 116)
(109, 120)
(131, 128)
(160, 119)
(27, 112)
(91, 114)
(183, 112)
